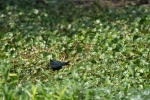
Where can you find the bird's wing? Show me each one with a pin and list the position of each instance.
(55, 63)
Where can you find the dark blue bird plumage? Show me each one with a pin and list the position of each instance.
(56, 65)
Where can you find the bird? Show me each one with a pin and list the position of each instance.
(56, 65)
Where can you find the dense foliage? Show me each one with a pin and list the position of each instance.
(109, 51)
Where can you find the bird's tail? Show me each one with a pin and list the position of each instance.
(66, 63)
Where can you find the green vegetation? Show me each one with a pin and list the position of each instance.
(109, 51)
